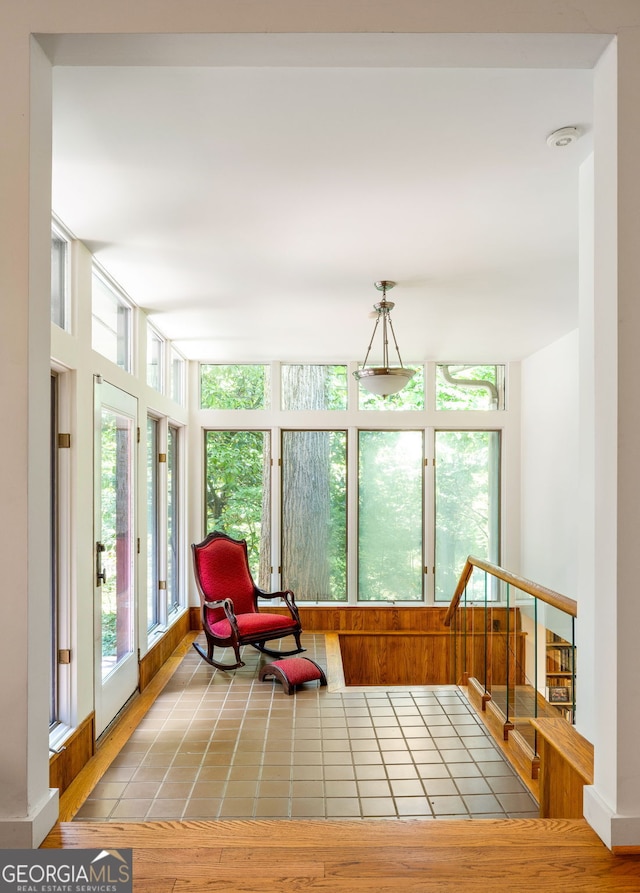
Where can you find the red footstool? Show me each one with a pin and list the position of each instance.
(292, 671)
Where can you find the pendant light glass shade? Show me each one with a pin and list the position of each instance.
(384, 380)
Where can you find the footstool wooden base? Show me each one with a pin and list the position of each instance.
(292, 671)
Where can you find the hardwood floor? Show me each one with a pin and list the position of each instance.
(484, 856)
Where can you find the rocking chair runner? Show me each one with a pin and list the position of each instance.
(229, 599)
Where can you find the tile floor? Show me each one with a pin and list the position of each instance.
(225, 745)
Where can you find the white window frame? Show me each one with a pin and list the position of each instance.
(123, 301)
(60, 232)
(152, 331)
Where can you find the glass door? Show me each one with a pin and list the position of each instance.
(116, 665)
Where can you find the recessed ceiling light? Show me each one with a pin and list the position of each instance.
(563, 137)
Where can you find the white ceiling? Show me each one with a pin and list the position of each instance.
(249, 200)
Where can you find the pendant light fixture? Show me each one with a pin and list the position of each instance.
(385, 379)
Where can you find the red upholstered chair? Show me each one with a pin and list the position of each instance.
(229, 600)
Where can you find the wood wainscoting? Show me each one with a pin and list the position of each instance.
(157, 656)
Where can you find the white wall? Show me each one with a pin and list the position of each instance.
(550, 479)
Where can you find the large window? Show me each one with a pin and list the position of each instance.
(314, 514)
(384, 509)
(467, 504)
(238, 493)
(390, 489)
(111, 321)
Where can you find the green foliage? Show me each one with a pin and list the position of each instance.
(234, 475)
(234, 387)
(457, 396)
(109, 640)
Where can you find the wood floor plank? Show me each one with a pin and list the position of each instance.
(489, 856)
(421, 883)
(269, 833)
(272, 871)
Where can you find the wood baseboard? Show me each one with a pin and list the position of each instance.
(79, 747)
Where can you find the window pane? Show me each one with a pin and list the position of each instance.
(155, 354)
(111, 328)
(59, 289)
(53, 569)
(314, 514)
(238, 493)
(390, 515)
(467, 506)
(152, 523)
(314, 387)
(173, 520)
(411, 397)
(234, 387)
(469, 387)
(177, 388)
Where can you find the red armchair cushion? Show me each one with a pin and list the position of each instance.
(253, 624)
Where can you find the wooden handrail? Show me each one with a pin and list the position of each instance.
(548, 596)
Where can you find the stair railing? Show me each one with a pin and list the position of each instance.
(513, 647)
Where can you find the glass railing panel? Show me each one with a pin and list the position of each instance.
(472, 641)
(524, 704)
(559, 686)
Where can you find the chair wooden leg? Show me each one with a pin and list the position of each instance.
(214, 663)
(271, 653)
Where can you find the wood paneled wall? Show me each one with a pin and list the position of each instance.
(392, 658)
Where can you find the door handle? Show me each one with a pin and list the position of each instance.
(101, 575)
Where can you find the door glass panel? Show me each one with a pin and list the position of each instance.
(117, 440)
(390, 487)
(467, 507)
(238, 493)
(314, 514)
